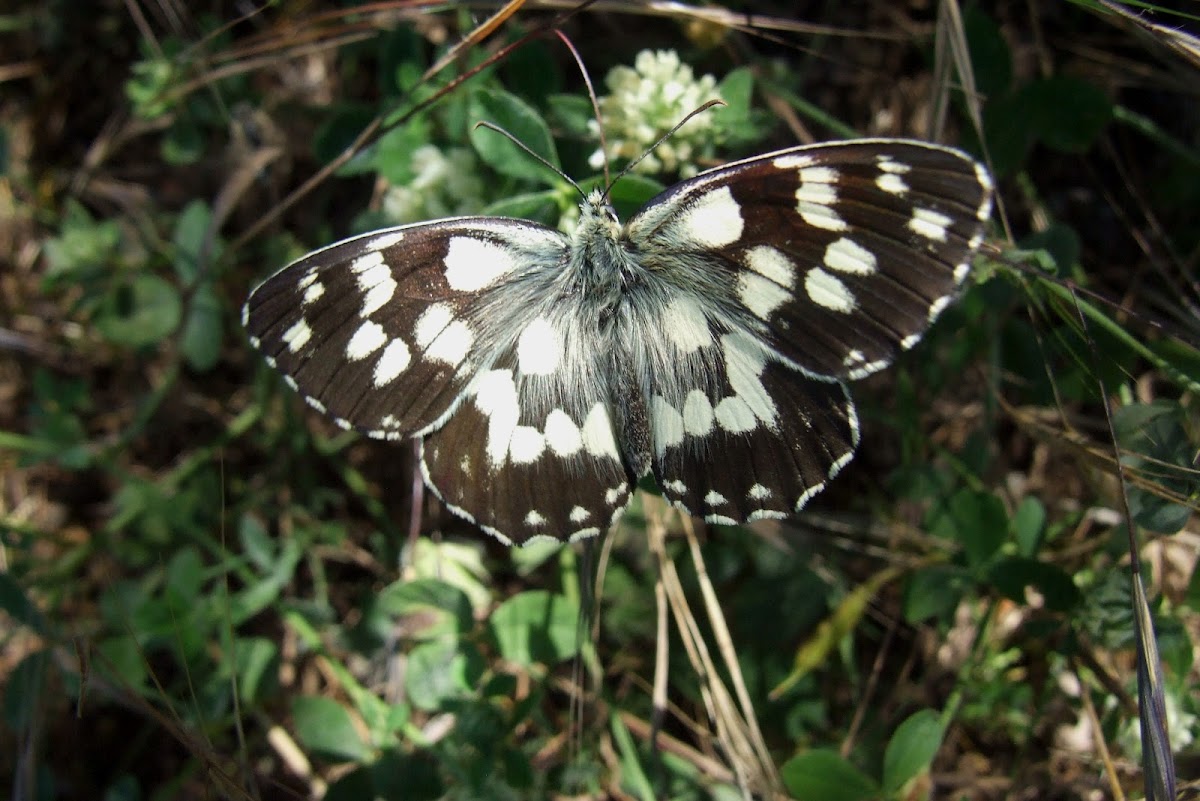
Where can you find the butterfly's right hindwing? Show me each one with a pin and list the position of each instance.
(380, 332)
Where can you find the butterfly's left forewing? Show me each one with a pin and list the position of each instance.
(788, 275)
(839, 255)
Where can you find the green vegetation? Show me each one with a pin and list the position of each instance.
(208, 591)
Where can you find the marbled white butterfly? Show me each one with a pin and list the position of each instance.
(706, 342)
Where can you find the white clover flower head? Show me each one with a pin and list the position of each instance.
(446, 185)
(646, 101)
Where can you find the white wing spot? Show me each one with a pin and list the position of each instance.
(562, 435)
(291, 382)
(684, 323)
(472, 264)
(314, 403)
(758, 493)
(297, 336)
(909, 341)
(840, 462)
(312, 293)
(539, 348)
(985, 181)
(714, 498)
(847, 256)
(375, 280)
(666, 425)
(929, 224)
(443, 338)
(366, 340)
(937, 307)
(496, 398)
(392, 362)
(597, 433)
(770, 263)
(961, 271)
(431, 323)
(827, 290)
(815, 198)
(892, 184)
(526, 445)
(713, 220)
(792, 162)
(579, 514)
(734, 416)
(887, 164)
(745, 361)
(808, 494)
(389, 421)
(612, 495)
(384, 241)
(760, 295)
(676, 486)
(697, 414)
(534, 518)
(343, 423)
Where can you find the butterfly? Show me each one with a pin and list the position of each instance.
(707, 342)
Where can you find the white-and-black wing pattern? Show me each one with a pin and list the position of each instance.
(842, 253)
(803, 269)
(707, 342)
(382, 332)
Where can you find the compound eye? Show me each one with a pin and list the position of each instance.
(611, 214)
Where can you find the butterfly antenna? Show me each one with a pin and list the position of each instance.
(625, 171)
(491, 126)
(587, 81)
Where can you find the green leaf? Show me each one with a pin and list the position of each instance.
(256, 543)
(525, 124)
(441, 608)
(911, 749)
(25, 691)
(734, 119)
(324, 726)
(537, 627)
(202, 338)
(1012, 575)
(16, 603)
(823, 775)
(139, 312)
(990, 56)
(1027, 525)
(338, 132)
(1067, 113)
(83, 246)
(406, 777)
(934, 592)
(183, 142)
(121, 659)
(540, 205)
(256, 661)
(1060, 241)
(439, 671)
(1008, 134)
(977, 520)
(573, 113)
(191, 232)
